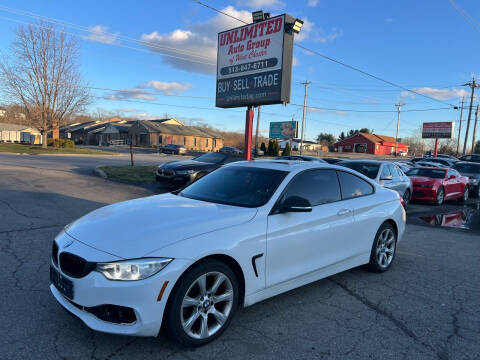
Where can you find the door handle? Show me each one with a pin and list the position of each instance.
(343, 212)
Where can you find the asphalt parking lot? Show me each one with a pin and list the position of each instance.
(425, 307)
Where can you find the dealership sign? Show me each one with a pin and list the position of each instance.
(283, 130)
(437, 130)
(254, 64)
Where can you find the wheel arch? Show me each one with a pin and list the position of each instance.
(394, 224)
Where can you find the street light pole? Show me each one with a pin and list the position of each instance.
(399, 107)
(304, 114)
(473, 86)
(460, 125)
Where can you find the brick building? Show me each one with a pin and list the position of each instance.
(374, 144)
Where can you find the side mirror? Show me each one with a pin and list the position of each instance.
(388, 177)
(295, 204)
(452, 176)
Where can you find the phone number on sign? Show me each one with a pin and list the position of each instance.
(257, 65)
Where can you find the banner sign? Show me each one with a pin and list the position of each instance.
(437, 130)
(283, 130)
(254, 64)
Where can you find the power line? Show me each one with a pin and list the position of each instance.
(465, 15)
(351, 67)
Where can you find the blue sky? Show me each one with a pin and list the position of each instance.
(148, 48)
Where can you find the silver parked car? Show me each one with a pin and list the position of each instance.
(385, 173)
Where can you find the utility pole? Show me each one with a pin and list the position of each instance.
(473, 86)
(460, 125)
(304, 113)
(399, 107)
(474, 130)
(256, 132)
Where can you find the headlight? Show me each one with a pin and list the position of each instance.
(426, 186)
(184, 172)
(137, 269)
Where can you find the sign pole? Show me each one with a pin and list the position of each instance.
(436, 147)
(248, 134)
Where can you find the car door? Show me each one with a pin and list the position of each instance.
(386, 177)
(451, 186)
(302, 242)
(396, 179)
(360, 197)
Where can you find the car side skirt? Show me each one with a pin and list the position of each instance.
(305, 279)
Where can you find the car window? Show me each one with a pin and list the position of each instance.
(392, 170)
(397, 171)
(385, 172)
(352, 186)
(368, 169)
(236, 185)
(317, 186)
(431, 173)
(468, 168)
(213, 158)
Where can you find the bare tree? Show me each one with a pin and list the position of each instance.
(41, 75)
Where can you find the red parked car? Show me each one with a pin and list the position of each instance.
(438, 184)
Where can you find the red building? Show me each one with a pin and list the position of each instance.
(374, 144)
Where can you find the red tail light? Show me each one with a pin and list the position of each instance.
(401, 201)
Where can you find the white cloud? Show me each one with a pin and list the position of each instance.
(261, 4)
(197, 43)
(312, 3)
(128, 94)
(335, 112)
(295, 61)
(309, 30)
(168, 88)
(99, 33)
(439, 94)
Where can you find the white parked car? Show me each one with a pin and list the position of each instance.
(241, 234)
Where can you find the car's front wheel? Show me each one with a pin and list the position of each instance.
(464, 197)
(440, 196)
(202, 303)
(406, 198)
(383, 248)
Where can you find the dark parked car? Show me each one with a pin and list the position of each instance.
(447, 162)
(385, 173)
(300, 158)
(472, 158)
(472, 171)
(177, 174)
(173, 149)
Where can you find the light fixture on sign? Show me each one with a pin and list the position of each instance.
(297, 25)
(257, 16)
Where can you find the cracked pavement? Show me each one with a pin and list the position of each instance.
(425, 307)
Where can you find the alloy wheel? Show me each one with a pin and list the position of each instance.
(385, 247)
(207, 305)
(440, 196)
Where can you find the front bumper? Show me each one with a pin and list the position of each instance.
(142, 296)
(424, 194)
(175, 179)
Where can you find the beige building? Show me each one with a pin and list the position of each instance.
(156, 133)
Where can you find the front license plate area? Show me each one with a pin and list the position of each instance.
(64, 285)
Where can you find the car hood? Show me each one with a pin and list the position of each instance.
(134, 228)
(187, 164)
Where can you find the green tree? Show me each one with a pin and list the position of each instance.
(286, 150)
(352, 132)
(275, 148)
(327, 138)
(476, 150)
(341, 136)
(263, 148)
(270, 148)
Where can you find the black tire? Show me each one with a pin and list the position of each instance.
(440, 199)
(173, 310)
(476, 192)
(374, 265)
(464, 197)
(406, 198)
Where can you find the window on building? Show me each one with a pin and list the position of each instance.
(184, 140)
(206, 142)
(194, 141)
(160, 139)
(214, 143)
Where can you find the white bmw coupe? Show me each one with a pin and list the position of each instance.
(244, 233)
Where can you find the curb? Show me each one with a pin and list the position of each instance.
(99, 172)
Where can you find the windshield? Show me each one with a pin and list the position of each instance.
(237, 186)
(367, 169)
(468, 168)
(431, 173)
(213, 158)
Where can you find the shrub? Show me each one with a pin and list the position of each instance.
(263, 148)
(287, 150)
(61, 143)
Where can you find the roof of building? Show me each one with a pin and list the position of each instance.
(154, 127)
(13, 127)
(375, 138)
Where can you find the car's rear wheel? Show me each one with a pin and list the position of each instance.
(383, 248)
(464, 197)
(202, 303)
(440, 196)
